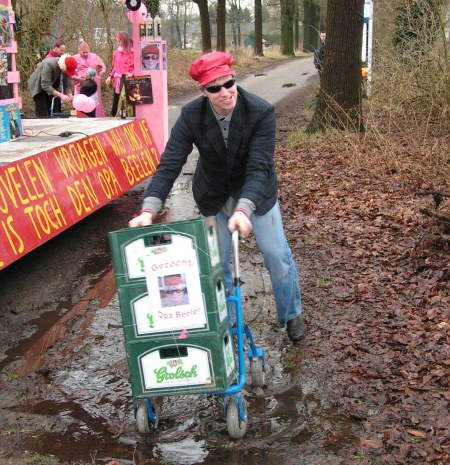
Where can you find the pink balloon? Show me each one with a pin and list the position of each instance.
(84, 103)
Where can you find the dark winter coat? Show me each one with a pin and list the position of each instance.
(243, 169)
(318, 57)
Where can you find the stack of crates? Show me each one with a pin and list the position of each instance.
(174, 348)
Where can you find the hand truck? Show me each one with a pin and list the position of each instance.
(235, 406)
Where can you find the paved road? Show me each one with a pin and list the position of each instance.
(272, 84)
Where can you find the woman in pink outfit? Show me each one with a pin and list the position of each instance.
(122, 63)
(86, 59)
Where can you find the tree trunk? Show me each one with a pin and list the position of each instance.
(287, 27)
(107, 23)
(221, 11)
(258, 50)
(204, 25)
(339, 100)
(311, 26)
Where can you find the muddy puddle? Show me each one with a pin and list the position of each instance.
(85, 394)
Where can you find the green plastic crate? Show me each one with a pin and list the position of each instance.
(203, 363)
(133, 247)
(144, 318)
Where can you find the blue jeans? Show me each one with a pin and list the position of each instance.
(271, 241)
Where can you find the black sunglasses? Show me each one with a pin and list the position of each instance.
(175, 291)
(215, 89)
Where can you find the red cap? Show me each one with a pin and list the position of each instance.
(173, 282)
(71, 66)
(210, 67)
(153, 49)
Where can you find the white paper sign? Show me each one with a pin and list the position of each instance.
(174, 288)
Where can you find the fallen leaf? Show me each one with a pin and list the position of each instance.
(370, 443)
(416, 433)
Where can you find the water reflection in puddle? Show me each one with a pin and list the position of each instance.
(183, 452)
(278, 425)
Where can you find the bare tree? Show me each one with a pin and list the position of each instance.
(105, 13)
(287, 26)
(204, 24)
(311, 21)
(258, 50)
(339, 99)
(235, 18)
(296, 25)
(221, 15)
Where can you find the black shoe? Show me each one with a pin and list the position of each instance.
(296, 329)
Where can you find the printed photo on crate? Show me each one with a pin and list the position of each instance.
(173, 284)
(164, 56)
(3, 67)
(150, 55)
(5, 29)
(173, 291)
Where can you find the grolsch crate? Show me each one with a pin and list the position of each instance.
(206, 363)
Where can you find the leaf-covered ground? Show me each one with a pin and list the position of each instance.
(375, 282)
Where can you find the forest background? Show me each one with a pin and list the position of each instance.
(402, 125)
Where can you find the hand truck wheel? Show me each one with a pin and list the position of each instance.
(235, 425)
(144, 422)
(257, 373)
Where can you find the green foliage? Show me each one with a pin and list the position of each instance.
(38, 459)
(152, 6)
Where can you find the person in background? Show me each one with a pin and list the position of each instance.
(122, 63)
(150, 58)
(86, 59)
(58, 49)
(319, 54)
(235, 178)
(41, 83)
